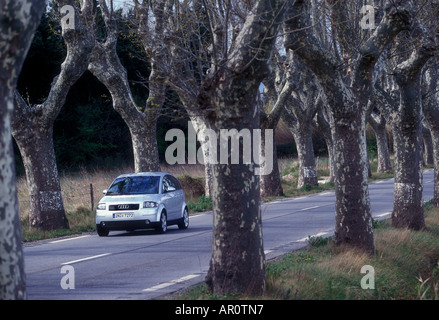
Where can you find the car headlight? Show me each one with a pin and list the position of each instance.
(101, 206)
(150, 204)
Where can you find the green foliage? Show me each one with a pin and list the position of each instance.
(204, 204)
(89, 134)
(314, 241)
(306, 187)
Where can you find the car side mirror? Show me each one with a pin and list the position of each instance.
(105, 191)
(170, 189)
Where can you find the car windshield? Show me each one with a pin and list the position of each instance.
(135, 185)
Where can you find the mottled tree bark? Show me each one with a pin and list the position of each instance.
(427, 145)
(35, 142)
(32, 126)
(347, 90)
(18, 22)
(305, 149)
(321, 126)
(378, 124)
(278, 88)
(405, 118)
(435, 137)
(430, 108)
(271, 184)
(298, 115)
(105, 65)
(238, 259)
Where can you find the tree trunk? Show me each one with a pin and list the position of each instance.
(238, 259)
(427, 146)
(198, 126)
(321, 125)
(347, 92)
(305, 152)
(46, 203)
(144, 139)
(271, 185)
(384, 164)
(32, 127)
(300, 127)
(408, 205)
(435, 137)
(229, 98)
(430, 108)
(106, 66)
(353, 220)
(17, 29)
(378, 125)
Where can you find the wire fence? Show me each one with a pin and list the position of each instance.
(72, 199)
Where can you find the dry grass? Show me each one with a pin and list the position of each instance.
(406, 268)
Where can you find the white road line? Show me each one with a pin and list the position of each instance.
(69, 239)
(196, 215)
(158, 287)
(170, 283)
(383, 214)
(85, 259)
(306, 209)
(314, 235)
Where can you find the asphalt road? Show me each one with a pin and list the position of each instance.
(145, 265)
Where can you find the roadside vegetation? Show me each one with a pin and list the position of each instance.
(406, 266)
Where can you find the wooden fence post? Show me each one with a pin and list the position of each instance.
(91, 197)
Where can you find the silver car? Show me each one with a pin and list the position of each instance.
(142, 201)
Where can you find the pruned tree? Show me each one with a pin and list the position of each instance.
(401, 104)
(106, 66)
(278, 87)
(430, 107)
(32, 125)
(430, 90)
(18, 22)
(220, 54)
(299, 114)
(427, 144)
(378, 124)
(345, 74)
(321, 125)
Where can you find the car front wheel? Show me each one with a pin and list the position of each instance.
(163, 227)
(184, 224)
(102, 232)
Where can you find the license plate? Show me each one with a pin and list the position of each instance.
(123, 215)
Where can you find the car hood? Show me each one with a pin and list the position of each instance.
(131, 198)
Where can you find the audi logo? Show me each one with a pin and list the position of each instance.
(123, 206)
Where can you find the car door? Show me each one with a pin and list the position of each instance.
(170, 198)
(179, 193)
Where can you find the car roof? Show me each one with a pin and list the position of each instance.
(161, 174)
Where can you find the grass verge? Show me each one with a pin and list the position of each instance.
(406, 267)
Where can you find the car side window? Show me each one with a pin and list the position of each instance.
(168, 182)
(176, 183)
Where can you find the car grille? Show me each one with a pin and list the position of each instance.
(122, 207)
